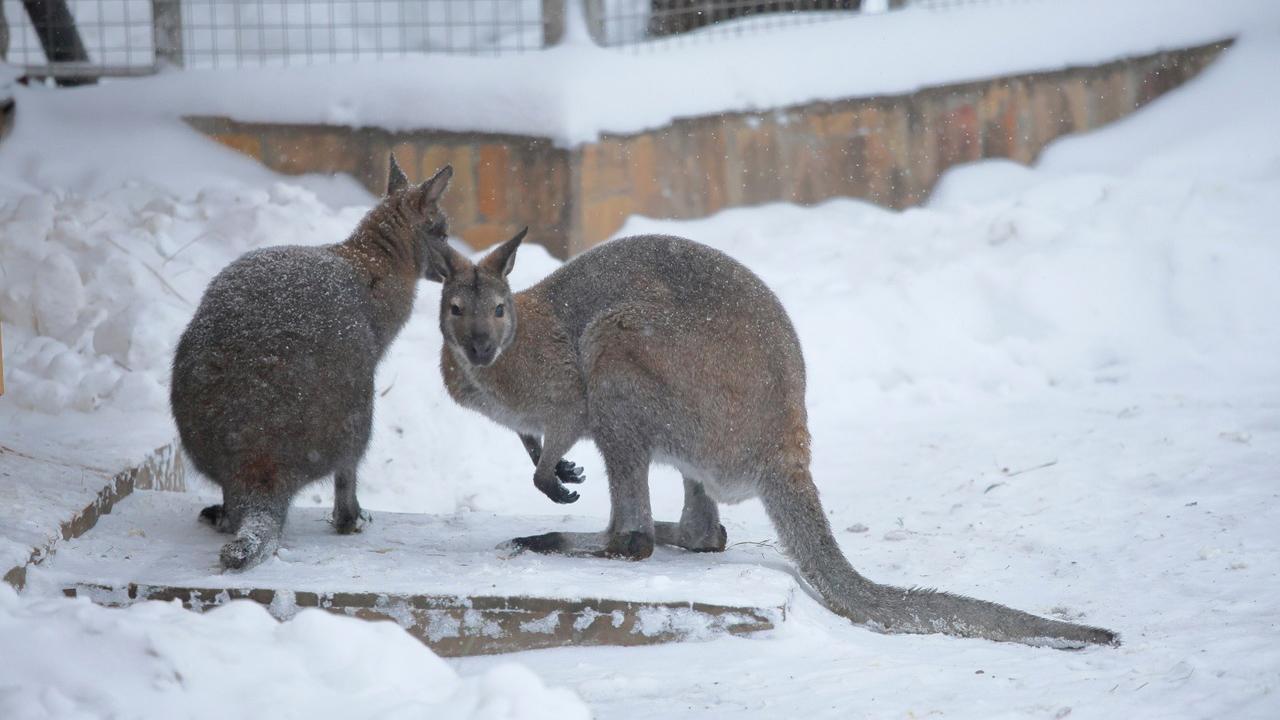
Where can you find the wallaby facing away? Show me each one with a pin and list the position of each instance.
(273, 379)
(663, 350)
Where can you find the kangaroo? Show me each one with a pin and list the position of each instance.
(272, 383)
(663, 350)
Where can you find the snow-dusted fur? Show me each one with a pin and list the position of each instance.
(273, 378)
(663, 350)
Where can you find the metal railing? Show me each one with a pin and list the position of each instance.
(80, 40)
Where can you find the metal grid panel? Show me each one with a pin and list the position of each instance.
(120, 36)
(237, 33)
(127, 37)
(660, 24)
(115, 33)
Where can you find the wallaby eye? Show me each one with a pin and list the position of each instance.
(498, 311)
(455, 309)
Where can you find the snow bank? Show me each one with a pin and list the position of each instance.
(95, 289)
(72, 659)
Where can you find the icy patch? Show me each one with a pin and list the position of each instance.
(685, 623)
(544, 626)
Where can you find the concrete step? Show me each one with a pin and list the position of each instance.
(49, 495)
(439, 577)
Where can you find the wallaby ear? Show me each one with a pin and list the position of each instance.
(502, 259)
(434, 187)
(396, 180)
(429, 192)
(443, 262)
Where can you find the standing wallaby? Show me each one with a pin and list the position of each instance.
(663, 350)
(273, 379)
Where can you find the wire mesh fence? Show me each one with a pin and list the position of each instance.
(637, 22)
(91, 38)
(125, 37)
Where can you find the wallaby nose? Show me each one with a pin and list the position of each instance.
(482, 347)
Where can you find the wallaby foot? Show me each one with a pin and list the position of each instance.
(347, 523)
(217, 517)
(625, 546)
(699, 529)
(669, 533)
(347, 516)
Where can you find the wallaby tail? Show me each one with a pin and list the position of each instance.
(797, 515)
(256, 540)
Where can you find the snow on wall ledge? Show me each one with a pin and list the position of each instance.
(575, 92)
(887, 149)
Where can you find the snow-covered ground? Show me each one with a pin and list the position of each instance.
(1053, 387)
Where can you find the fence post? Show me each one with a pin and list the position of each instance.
(166, 32)
(552, 22)
(56, 28)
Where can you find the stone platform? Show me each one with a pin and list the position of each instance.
(439, 577)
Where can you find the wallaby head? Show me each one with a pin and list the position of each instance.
(415, 209)
(477, 312)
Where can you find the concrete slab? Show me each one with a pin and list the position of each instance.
(439, 577)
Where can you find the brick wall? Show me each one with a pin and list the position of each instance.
(888, 150)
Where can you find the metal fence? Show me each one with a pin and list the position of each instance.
(84, 39)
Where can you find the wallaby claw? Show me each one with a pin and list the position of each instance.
(557, 492)
(569, 472)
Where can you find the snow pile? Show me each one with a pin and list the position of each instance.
(95, 290)
(70, 659)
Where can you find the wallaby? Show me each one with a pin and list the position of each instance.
(273, 379)
(663, 350)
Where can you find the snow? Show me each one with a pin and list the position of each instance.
(72, 659)
(577, 91)
(1051, 387)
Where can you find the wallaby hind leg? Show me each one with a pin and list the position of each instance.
(630, 533)
(347, 516)
(699, 529)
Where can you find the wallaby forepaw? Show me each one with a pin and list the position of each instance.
(569, 472)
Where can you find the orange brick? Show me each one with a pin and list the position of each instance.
(295, 151)
(245, 143)
(483, 235)
(492, 173)
(602, 218)
(604, 167)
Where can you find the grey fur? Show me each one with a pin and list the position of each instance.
(663, 350)
(273, 378)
